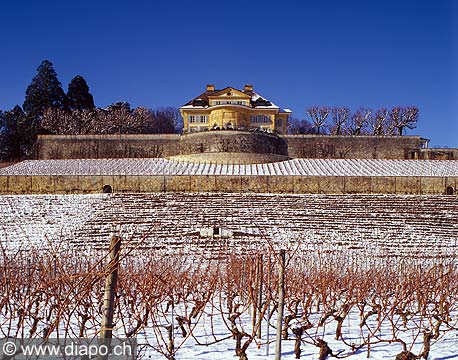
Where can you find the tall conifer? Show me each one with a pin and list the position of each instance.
(44, 91)
(79, 97)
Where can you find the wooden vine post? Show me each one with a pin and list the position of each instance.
(281, 303)
(260, 280)
(268, 309)
(111, 283)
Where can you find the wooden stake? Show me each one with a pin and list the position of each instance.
(260, 275)
(268, 308)
(254, 294)
(111, 283)
(281, 303)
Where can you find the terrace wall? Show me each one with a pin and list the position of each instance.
(156, 145)
(294, 146)
(233, 142)
(353, 147)
(439, 154)
(240, 184)
(106, 146)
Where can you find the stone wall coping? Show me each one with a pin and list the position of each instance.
(111, 136)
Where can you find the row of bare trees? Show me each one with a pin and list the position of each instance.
(364, 121)
(172, 302)
(118, 118)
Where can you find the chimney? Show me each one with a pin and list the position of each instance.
(210, 87)
(248, 89)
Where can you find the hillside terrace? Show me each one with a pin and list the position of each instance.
(294, 167)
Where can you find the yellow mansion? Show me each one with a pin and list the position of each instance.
(232, 108)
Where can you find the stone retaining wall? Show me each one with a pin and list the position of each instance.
(353, 147)
(106, 146)
(294, 146)
(233, 142)
(439, 154)
(240, 184)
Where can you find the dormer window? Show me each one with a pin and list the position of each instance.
(261, 102)
(198, 102)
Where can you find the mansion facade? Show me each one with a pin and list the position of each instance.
(231, 108)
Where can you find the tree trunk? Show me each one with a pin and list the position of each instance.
(288, 319)
(170, 344)
(325, 350)
(297, 343)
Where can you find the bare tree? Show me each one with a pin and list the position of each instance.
(87, 120)
(378, 122)
(118, 119)
(167, 120)
(409, 118)
(143, 119)
(340, 117)
(359, 121)
(115, 119)
(58, 121)
(318, 115)
(394, 120)
(299, 126)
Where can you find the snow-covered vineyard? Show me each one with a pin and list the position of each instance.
(359, 267)
(294, 167)
(383, 225)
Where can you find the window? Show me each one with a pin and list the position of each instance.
(229, 102)
(198, 119)
(279, 122)
(265, 119)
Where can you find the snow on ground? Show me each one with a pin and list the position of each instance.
(384, 225)
(303, 167)
(364, 226)
(444, 348)
(37, 221)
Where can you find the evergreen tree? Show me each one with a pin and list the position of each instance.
(44, 91)
(17, 135)
(79, 97)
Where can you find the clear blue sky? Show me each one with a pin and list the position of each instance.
(295, 53)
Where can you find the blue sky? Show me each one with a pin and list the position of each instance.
(295, 53)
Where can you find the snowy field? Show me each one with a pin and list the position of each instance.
(444, 348)
(386, 233)
(303, 167)
(383, 225)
